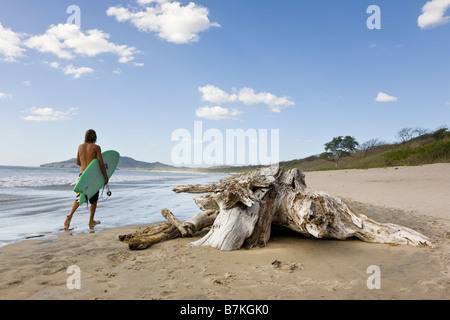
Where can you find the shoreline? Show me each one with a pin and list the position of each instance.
(289, 267)
(38, 203)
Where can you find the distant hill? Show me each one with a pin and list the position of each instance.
(71, 163)
(130, 163)
(124, 163)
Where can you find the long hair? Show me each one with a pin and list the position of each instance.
(90, 137)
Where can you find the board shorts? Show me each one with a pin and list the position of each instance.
(92, 200)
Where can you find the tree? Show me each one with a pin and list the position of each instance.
(369, 145)
(339, 147)
(420, 131)
(439, 134)
(405, 134)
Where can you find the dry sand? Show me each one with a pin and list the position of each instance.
(289, 267)
(422, 189)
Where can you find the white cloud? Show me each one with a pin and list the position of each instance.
(4, 95)
(144, 2)
(47, 114)
(75, 72)
(384, 97)
(10, 44)
(433, 14)
(248, 96)
(217, 113)
(27, 83)
(54, 64)
(66, 41)
(172, 21)
(216, 95)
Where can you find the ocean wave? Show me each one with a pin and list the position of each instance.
(39, 179)
(33, 181)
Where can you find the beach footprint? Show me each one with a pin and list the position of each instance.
(223, 280)
(287, 266)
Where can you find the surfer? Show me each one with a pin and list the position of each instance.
(87, 152)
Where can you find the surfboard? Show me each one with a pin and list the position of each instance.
(92, 179)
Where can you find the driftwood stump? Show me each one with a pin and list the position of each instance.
(241, 209)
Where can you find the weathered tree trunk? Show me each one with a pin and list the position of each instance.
(241, 209)
(169, 230)
(151, 235)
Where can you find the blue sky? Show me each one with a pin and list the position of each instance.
(136, 70)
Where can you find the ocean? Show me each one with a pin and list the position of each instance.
(35, 201)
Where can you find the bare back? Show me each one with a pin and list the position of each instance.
(86, 153)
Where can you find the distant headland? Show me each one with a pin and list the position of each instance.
(124, 163)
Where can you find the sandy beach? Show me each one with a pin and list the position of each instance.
(290, 267)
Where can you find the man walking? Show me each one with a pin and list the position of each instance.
(87, 152)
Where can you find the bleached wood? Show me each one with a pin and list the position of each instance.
(316, 214)
(241, 209)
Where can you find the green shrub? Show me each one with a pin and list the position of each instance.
(429, 153)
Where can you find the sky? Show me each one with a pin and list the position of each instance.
(141, 71)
